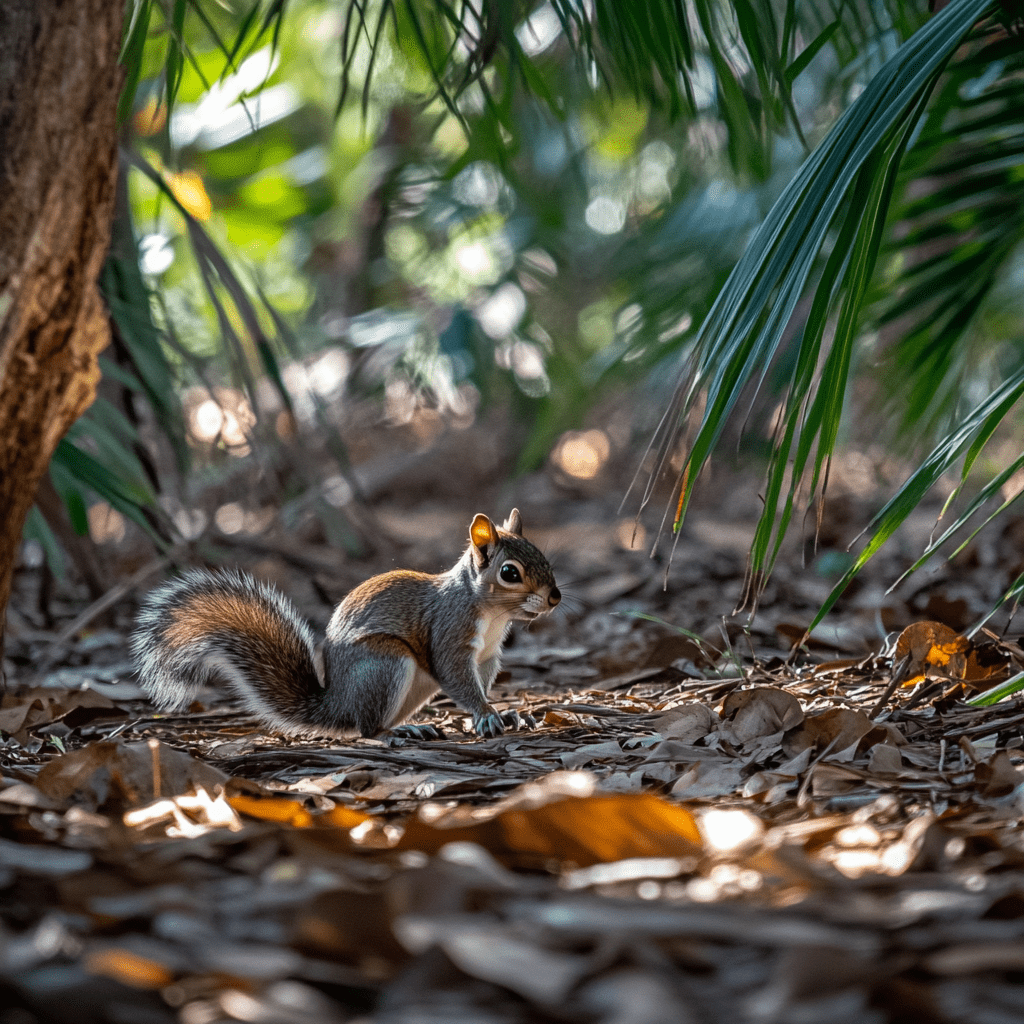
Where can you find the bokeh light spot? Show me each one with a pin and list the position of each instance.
(106, 524)
(582, 453)
(230, 518)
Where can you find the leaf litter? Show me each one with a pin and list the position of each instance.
(686, 833)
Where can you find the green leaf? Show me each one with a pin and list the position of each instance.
(745, 326)
(811, 50)
(131, 55)
(942, 458)
(82, 470)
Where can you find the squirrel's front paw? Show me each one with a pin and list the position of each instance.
(489, 725)
(514, 721)
(495, 723)
(414, 732)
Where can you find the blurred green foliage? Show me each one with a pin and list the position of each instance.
(487, 191)
(532, 204)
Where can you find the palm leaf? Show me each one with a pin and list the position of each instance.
(966, 215)
(136, 31)
(650, 50)
(73, 469)
(848, 180)
(980, 422)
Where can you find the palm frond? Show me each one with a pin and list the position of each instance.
(656, 51)
(137, 15)
(847, 183)
(959, 225)
(966, 437)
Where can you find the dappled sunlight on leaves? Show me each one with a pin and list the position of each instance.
(702, 812)
(579, 830)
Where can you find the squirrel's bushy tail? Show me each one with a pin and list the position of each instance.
(206, 626)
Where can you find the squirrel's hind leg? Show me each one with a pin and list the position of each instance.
(374, 689)
(420, 689)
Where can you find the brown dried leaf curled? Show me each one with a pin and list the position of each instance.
(929, 648)
(687, 723)
(933, 649)
(762, 711)
(835, 728)
(30, 708)
(998, 776)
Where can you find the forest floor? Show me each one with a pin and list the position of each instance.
(712, 829)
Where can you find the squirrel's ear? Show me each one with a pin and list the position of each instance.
(482, 534)
(514, 523)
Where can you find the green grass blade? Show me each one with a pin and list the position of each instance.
(1012, 685)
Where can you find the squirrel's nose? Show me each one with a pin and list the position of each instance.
(554, 596)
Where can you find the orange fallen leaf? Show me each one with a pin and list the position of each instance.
(294, 813)
(927, 645)
(128, 968)
(341, 817)
(557, 719)
(584, 830)
(933, 649)
(287, 812)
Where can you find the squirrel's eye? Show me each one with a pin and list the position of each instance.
(509, 573)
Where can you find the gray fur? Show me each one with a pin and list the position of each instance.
(173, 676)
(391, 645)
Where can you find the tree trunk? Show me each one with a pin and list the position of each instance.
(59, 84)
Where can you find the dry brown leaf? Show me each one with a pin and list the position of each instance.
(987, 664)
(582, 830)
(704, 781)
(835, 728)
(585, 754)
(122, 775)
(885, 759)
(27, 709)
(761, 711)
(924, 647)
(933, 649)
(390, 786)
(998, 776)
(558, 720)
(686, 723)
(833, 779)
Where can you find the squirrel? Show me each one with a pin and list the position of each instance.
(391, 645)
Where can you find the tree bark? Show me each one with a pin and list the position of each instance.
(59, 85)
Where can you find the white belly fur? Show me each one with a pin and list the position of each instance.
(411, 694)
(490, 631)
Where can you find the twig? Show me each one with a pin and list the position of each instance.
(110, 598)
(899, 673)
